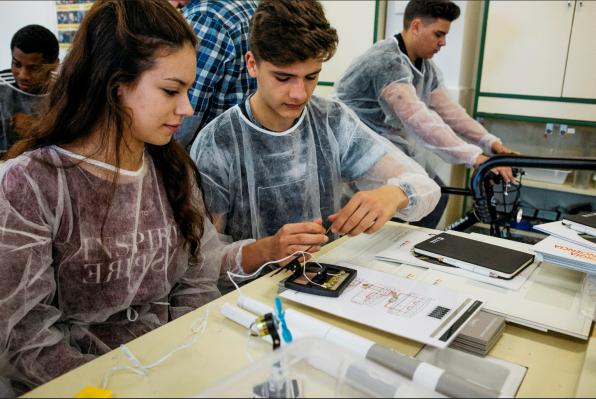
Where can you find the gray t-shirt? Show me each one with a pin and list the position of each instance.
(13, 101)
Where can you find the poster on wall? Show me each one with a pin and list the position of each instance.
(70, 13)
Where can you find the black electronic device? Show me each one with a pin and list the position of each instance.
(475, 256)
(320, 279)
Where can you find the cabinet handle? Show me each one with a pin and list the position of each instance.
(568, 3)
(581, 3)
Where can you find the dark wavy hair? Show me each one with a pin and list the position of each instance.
(430, 9)
(284, 32)
(117, 41)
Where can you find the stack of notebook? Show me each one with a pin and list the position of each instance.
(572, 242)
(480, 334)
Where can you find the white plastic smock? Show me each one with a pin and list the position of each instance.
(411, 107)
(69, 292)
(255, 180)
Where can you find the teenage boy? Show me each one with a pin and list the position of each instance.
(273, 167)
(397, 91)
(22, 87)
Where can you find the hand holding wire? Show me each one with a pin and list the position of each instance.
(297, 237)
(368, 211)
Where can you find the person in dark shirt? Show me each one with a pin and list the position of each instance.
(22, 87)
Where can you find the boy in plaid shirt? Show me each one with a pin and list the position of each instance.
(222, 78)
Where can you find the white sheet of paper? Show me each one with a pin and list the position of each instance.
(549, 300)
(401, 252)
(408, 308)
(558, 229)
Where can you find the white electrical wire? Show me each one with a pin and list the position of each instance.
(231, 275)
(301, 253)
(141, 369)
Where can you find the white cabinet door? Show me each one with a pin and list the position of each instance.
(526, 47)
(355, 25)
(580, 75)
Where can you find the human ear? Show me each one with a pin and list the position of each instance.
(416, 25)
(251, 64)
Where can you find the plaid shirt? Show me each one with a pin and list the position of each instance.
(222, 78)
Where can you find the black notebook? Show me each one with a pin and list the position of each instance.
(584, 223)
(475, 256)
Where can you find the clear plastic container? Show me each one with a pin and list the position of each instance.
(313, 367)
(582, 178)
(555, 176)
(494, 374)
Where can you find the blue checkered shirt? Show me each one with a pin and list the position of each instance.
(222, 78)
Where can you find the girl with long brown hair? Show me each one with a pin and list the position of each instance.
(103, 231)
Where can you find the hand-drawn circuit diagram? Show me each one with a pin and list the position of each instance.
(395, 301)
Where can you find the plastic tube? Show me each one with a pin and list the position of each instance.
(423, 373)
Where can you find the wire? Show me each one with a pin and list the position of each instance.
(258, 271)
(141, 369)
(307, 278)
(509, 207)
(486, 208)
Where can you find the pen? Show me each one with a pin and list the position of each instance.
(469, 267)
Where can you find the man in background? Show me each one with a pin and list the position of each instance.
(397, 90)
(222, 78)
(23, 86)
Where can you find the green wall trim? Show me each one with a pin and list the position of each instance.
(538, 119)
(323, 83)
(539, 98)
(478, 93)
(481, 57)
(376, 25)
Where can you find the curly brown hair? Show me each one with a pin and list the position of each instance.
(117, 42)
(284, 32)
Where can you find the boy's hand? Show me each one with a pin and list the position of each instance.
(499, 148)
(294, 237)
(504, 171)
(368, 211)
